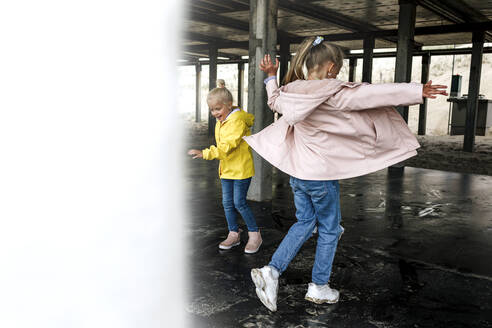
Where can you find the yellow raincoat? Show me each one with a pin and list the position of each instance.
(236, 159)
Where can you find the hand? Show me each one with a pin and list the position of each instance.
(430, 90)
(267, 66)
(195, 153)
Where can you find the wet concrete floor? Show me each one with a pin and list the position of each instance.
(416, 252)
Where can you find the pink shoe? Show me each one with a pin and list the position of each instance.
(254, 242)
(233, 239)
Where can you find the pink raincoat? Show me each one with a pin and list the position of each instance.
(332, 130)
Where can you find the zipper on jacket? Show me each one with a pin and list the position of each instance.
(218, 141)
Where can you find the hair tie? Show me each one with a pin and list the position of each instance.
(318, 40)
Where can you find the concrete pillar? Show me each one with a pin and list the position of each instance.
(284, 58)
(352, 68)
(262, 40)
(426, 59)
(212, 83)
(198, 93)
(406, 32)
(240, 83)
(473, 91)
(369, 43)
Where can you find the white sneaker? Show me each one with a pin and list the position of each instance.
(322, 294)
(266, 286)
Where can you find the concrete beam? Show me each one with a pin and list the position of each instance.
(439, 52)
(426, 30)
(204, 53)
(193, 36)
(221, 5)
(219, 62)
(329, 16)
(436, 52)
(219, 21)
(220, 45)
(456, 11)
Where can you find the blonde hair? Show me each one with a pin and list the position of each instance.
(220, 83)
(312, 56)
(220, 94)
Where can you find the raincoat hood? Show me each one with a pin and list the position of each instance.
(247, 118)
(304, 97)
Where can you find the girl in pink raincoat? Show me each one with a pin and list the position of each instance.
(329, 130)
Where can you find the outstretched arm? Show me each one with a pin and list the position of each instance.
(228, 143)
(365, 96)
(195, 153)
(429, 90)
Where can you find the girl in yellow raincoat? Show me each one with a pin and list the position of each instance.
(236, 166)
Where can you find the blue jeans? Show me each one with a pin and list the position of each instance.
(234, 198)
(317, 202)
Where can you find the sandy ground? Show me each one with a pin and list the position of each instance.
(437, 152)
(446, 153)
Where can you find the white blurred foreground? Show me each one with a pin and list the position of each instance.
(90, 202)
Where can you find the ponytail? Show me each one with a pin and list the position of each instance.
(295, 71)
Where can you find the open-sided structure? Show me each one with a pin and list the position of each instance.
(233, 29)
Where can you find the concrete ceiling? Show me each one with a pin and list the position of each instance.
(225, 22)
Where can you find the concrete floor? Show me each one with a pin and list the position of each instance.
(393, 267)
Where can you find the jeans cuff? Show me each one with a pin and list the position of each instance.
(275, 272)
